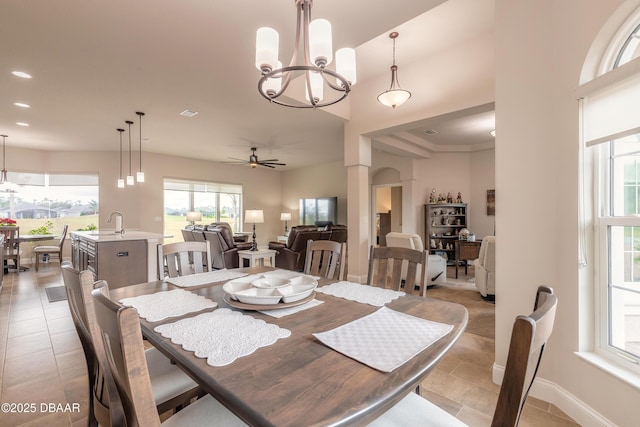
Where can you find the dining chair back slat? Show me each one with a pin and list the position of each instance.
(325, 258)
(11, 248)
(386, 269)
(183, 258)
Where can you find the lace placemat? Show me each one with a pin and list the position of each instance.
(159, 306)
(223, 335)
(385, 339)
(281, 312)
(361, 293)
(204, 278)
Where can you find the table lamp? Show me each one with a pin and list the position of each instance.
(285, 216)
(192, 217)
(254, 216)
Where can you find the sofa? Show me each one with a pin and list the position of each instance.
(436, 265)
(224, 249)
(484, 267)
(292, 253)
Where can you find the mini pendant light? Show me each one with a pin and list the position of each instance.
(140, 174)
(395, 95)
(120, 180)
(129, 177)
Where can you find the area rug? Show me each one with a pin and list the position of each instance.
(56, 293)
(481, 313)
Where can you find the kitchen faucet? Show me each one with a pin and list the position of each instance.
(121, 230)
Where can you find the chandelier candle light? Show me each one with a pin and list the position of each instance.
(140, 174)
(395, 95)
(310, 63)
(254, 216)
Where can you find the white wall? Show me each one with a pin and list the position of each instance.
(326, 180)
(482, 178)
(541, 47)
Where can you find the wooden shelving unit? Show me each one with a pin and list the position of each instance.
(443, 222)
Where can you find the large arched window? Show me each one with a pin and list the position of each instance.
(611, 133)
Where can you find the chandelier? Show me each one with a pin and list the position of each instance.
(395, 95)
(5, 185)
(310, 63)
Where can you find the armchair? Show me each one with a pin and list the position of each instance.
(338, 233)
(485, 267)
(224, 250)
(292, 253)
(436, 265)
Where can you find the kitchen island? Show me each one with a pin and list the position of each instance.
(120, 259)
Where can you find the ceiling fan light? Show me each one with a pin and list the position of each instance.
(320, 42)
(346, 65)
(266, 49)
(394, 97)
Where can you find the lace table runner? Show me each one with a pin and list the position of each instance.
(385, 339)
(223, 335)
(361, 293)
(204, 278)
(158, 306)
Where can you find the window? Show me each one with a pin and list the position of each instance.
(319, 211)
(51, 200)
(215, 201)
(611, 128)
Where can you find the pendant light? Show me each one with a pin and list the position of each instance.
(120, 180)
(5, 185)
(129, 177)
(395, 95)
(140, 174)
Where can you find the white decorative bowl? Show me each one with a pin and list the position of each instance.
(271, 282)
(259, 296)
(296, 292)
(234, 286)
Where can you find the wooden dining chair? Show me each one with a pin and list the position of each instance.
(105, 408)
(183, 258)
(325, 258)
(125, 355)
(171, 387)
(56, 250)
(12, 244)
(386, 269)
(528, 339)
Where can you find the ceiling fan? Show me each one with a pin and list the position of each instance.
(254, 162)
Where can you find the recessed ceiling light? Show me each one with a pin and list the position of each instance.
(21, 105)
(22, 124)
(189, 113)
(21, 74)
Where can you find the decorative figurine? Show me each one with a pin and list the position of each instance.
(432, 196)
(441, 198)
(459, 198)
(449, 198)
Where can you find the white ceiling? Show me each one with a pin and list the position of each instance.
(94, 64)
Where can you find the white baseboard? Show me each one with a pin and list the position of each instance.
(550, 392)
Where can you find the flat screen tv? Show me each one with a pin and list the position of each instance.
(320, 211)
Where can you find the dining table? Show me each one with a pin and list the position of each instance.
(298, 380)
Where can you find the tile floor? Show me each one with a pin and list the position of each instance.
(41, 360)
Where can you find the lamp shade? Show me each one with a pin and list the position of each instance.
(194, 216)
(254, 216)
(285, 216)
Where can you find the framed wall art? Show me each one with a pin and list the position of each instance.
(491, 202)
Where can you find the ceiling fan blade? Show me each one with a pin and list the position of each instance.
(240, 160)
(266, 165)
(269, 160)
(272, 163)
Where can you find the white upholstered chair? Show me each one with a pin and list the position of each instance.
(436, 265)
(485, 267)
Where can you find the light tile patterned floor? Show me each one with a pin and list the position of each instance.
(41, 360)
